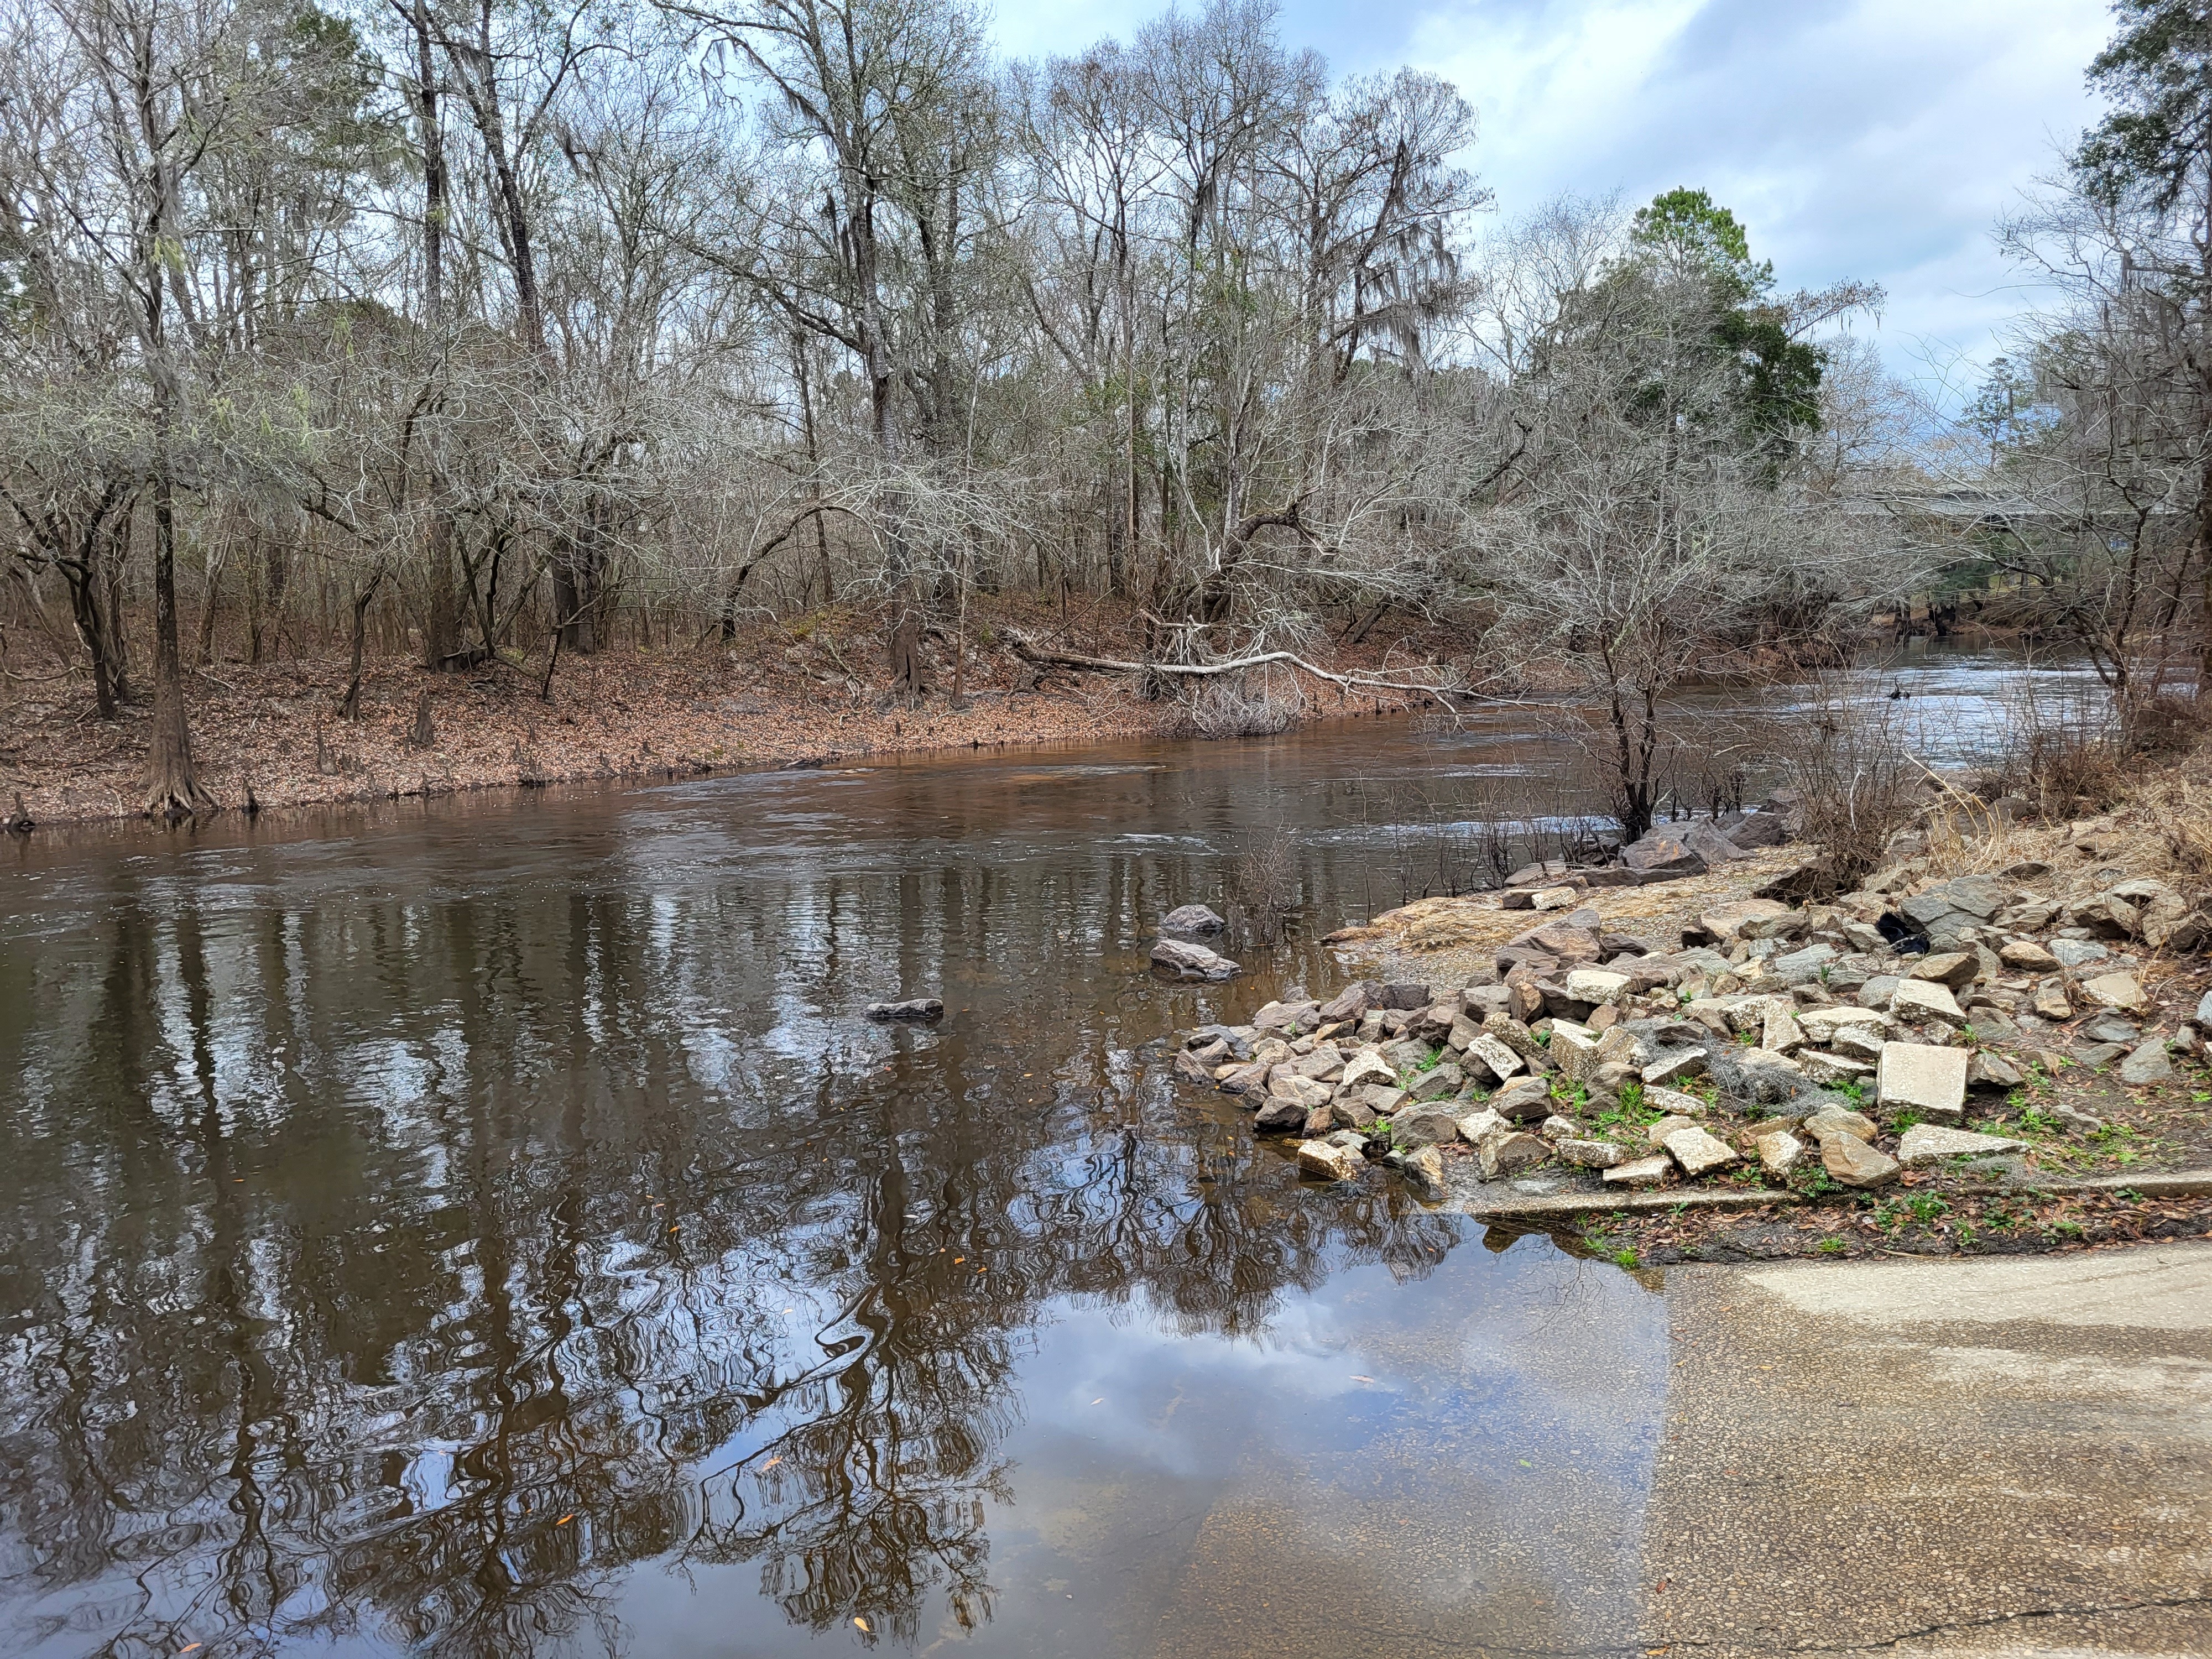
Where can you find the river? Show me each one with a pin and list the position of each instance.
(488, 1227)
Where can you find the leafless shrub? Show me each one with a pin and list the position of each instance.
(1267, 886)
(1855, 779)
(1245, 705)
(2062, 752)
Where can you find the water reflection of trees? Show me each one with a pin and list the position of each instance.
(422, 1264)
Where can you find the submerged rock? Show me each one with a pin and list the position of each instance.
(912, 1008)
(1191, 919)
(1188, 961)
(1329, 1162)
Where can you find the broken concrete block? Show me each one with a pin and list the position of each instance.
(1917, 1077)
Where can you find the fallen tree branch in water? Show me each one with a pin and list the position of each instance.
(1042, 659)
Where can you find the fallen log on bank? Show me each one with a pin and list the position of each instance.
(1038, 656)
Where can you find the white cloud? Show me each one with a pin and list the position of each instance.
(1871, 138)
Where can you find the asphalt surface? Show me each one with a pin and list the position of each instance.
(1995, 1457)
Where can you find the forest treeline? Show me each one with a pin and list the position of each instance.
(489, 333)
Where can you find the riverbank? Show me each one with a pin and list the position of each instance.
(1997, 1043)
(791, 693)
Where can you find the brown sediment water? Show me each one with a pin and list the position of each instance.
(491, 1227)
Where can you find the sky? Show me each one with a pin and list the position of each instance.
(1876, 139)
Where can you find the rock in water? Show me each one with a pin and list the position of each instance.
(1424, 1168)
(1852, 1162)
(912, 1008)
(1330, 1163)
(1191, 919)
(1187, 961)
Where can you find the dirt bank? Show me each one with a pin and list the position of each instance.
(777, 696)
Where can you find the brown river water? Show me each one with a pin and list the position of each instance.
(488, 1227)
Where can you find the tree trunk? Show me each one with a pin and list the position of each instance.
(173, 785)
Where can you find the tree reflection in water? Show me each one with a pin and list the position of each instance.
(411, 1258)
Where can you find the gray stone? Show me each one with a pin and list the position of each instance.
(2111, 1029)
(1595, 985)
(1438, 1083)
(1711, 845)
(1781, 1033)
(1380, 1100)
(2100, 1053)
(1989, 1071)
(2148, 1064)
(1499, 1154)
(1526, 1100)
(1926, 1143)
(1822, 1025)
(1655, 1134)
(1349, 1003)
(1476, 1127)
(1425, 1122)
(1675, 1065)
(1803, 967)
(1850, 1162)
(1573, 1050)
(1697, 1153)
(1350, 1112)
(1286, 1084)
(1193, 919)
(1955, 969)
(1878, 990)
(1918, 1000)
(1278, 1115)
(2121, 993)
(1917, 1077)
(2028, 956)
(1292, 1015)
(2075, 1122)
(1839, 1120)
(2078, 952)
(1424, 1170)
(1640, 1172)
(1779, 1151)
(1189, 1067)
(1492, 1052)
(1831, 1069)
(1590, 1154)
(1661, 855)
(1860, 1043)
(1674, 1103)
(1188, 961)
(1556, 1127)
(1366, 1067)
(1329, 1163)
